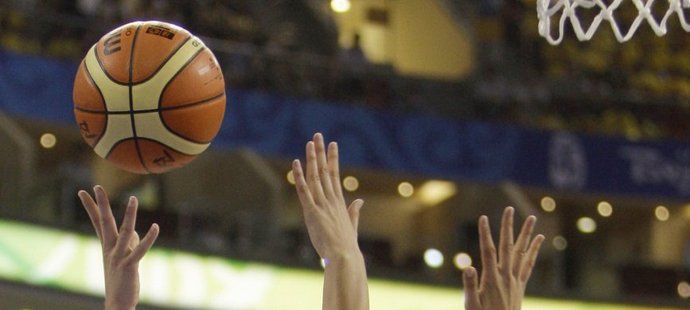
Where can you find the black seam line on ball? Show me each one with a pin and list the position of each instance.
(131, 100)
(201, 102)
(182, 69)
(100, 64)
(173, 53)
(87, 72)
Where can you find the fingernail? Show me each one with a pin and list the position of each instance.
(470, 272)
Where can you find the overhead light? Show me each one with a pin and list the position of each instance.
(290, 177)
(340, 6)
(662, 213)
(350, 183)
(405, 189)
(559, 243)
(684, 290)
(586, 225)
(548, 204)
(48, 140)
(433, 258)
(462, 261)
(434, 192)
(605, 209)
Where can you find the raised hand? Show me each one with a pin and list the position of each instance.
(332, 226)
(122, 250)
(504, 276)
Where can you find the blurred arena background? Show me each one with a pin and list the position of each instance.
(443, 109)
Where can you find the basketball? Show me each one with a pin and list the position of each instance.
(149, 97)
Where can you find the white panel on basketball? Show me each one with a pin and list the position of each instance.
(149, 125)
(116, 96)
(146, 95)
(119, 127)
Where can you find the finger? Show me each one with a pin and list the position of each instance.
(313, 177)
(322, 164)
(487, 248)
(522, 243)
(92, 211)
(469, 280)
(334, 169)
(303, 191)
(353, 211)
(531, 258)
(505, 244)
(134, 241)
(127, 228)
(106, 220)
(145, 244)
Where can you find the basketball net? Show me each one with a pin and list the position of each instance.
(546, 9)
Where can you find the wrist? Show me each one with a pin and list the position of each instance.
(115, 306)
(345, 257)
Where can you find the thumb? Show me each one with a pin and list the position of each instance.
(353, 211)
(469, 280)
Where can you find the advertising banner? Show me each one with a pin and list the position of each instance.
(434, 147)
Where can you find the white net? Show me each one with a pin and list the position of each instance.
(549, 10)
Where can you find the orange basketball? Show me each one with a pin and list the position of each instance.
(149, 97)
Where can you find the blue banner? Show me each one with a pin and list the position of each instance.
(423, 145)
(605, 165)
(433, 147)
(35, 87)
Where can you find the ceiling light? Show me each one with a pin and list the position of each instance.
(434, 192)
(433, 258)
(405, 189)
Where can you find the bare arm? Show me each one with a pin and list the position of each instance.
(505, 271)
(332, 227)
(122, 250)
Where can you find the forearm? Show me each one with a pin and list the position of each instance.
(122, 297)
(345, 283)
